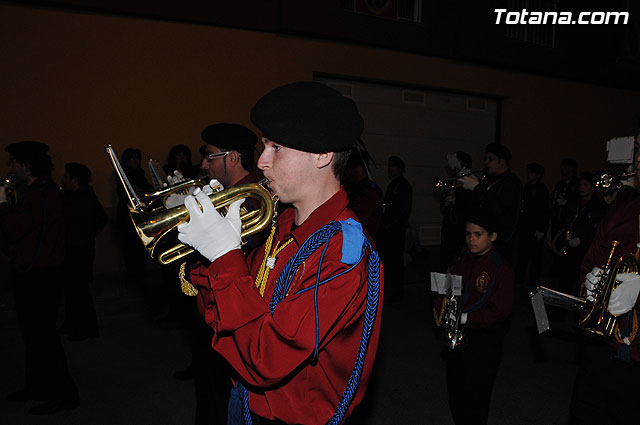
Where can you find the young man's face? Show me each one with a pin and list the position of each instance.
(17, 170)
(67, 184)
(494, 165)
(479, 241)
(585, 188)
(289, 171)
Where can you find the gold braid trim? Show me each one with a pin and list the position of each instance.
(187, 288)
(263, 271)
(438, 317)
(634, 331)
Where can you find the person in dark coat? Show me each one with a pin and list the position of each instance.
(534, 221)
(395, 220)
(34, 231)
(487, 304)
(586, 212)
(134, 255)
(365, 196)
(499, 192)
(454, 205)
(83, 217)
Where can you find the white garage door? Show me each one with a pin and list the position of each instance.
(421, 126)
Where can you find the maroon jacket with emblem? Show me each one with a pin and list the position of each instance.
(272, 352)
(486, 275)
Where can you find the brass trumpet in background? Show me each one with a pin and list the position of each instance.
(156, 224)
(612, 181)
(9, 190)
(597, 319)
(452, 183)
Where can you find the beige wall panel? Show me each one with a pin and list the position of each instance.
(78, 81)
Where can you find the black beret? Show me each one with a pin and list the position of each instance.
(499, 150)
(534, 167)
(24, 151)
(79, 171)
(229, 136)
(568, 162)
(483, 218)
(308, 116)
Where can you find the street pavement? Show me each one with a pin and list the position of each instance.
(125, 376)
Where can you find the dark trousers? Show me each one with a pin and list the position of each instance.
(529, 259)
(605, 390)
(80, 318)
(212, 378)
(37, 295)
(391, 246)
(471, 372)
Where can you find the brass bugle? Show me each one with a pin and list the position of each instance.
(157, 229)
(10, 189)
(156, 225)
(452, 183)
(612, 181)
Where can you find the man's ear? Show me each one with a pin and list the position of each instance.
(493, 236)
(324, 159)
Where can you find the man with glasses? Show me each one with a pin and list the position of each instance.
(499, 192)
(228, 154)
(228, 158)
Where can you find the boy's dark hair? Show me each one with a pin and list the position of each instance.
(483, 218)
(80, 172)
(397, 161)
(534, 167)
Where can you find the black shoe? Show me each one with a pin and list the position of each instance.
(53, 406)
(183, 375)
(24, 395)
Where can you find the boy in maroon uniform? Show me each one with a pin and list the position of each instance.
(298, 319)
(487, 301)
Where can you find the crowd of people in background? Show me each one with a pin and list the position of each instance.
(496, 233)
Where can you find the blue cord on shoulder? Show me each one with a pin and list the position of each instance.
(354, 247)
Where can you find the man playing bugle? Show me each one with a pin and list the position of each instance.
(299, 319)
(606, 387)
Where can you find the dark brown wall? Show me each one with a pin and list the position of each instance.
(79, 81)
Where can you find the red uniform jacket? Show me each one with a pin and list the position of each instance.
(488, 284)
(34, 229)
(621, 224)
(272, 352)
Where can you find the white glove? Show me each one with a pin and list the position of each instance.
(176, 199)
(176, 178)
(469, 182)
(624, 297)
(207, 231)
(592, 279)
(573, 242)
(561, 201)
(463, 318)
(538, 236)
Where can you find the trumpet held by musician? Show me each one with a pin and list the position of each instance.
(485, 306)
(605, 389)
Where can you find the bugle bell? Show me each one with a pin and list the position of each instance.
(156, 225)
(452, 183)
(612, 181)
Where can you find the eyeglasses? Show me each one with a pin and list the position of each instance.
(211, 156)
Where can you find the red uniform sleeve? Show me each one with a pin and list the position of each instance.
(19, 221)
(266, 348)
